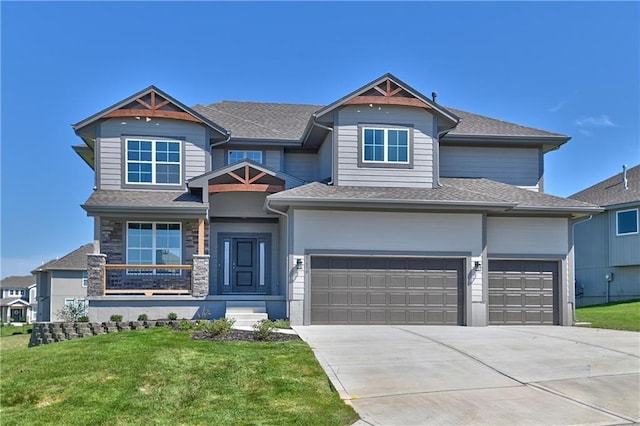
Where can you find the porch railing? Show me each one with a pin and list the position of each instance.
(147, 279)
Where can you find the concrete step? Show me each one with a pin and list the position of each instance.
(249, 307)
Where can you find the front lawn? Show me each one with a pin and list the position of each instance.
(615, 316)
(159, 376)
(11, 330)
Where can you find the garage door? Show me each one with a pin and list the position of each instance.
(372, 290)
(523, 292)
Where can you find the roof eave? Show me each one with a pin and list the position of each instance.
(146, 210)
(466, 205)
(551, 139)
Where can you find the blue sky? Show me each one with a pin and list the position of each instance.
(570, 68)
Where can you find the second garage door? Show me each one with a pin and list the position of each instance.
(373, 290)
(523, 292)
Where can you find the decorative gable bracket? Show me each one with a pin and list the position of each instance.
(152, 105)
(387, 93)
(246, 179)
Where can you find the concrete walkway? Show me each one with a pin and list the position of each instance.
(417, 375)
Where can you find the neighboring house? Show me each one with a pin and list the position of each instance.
(382, 207)
(18, 298)
(607, 245)
(61, 282)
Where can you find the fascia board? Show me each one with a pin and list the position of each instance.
(414, 204)
(178, 212)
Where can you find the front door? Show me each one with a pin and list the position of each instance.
(244, 266)
(16, 314)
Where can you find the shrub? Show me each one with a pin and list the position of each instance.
(73, 310)
(172, 316)
(115, 318)
(143, 317)
(281, 323)
(185, 325)
(263, 330)
(219, 327)
(83, 318)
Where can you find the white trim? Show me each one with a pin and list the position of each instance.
(618, 234)
(385, 144)
(153, 161)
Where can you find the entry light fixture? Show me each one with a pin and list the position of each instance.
(477, 265)
(299, 264)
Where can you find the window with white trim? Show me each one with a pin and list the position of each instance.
(85, 279)
(155, 162)
(385, 145)
(151, 243)
(627, 222)
(235, 156)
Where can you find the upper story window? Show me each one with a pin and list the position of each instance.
(85, 279)
(384, 146)
(235, 156)
(627, 222)
(155, 162)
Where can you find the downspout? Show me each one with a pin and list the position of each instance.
(573, 236)
(286, 243)
(222, 142)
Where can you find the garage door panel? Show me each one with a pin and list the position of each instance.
(397, 281)
(377, 281)
(522, 292)
(385, 290)
(338, 298)
(358, 281)
(358, 299)
(399, 299)
(378, 299)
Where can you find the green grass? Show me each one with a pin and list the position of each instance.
(615, 316)
(10, 330)
(158, 376)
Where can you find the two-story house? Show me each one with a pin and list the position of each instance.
(607, 245)
(17, 304)
(382, 207)
(61, 282)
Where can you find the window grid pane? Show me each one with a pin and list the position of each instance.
(153, 162)
(385, 145)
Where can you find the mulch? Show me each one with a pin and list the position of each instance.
(245, 336)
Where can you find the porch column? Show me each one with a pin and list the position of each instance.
(96, 274)
(201, 223)
(200, 275)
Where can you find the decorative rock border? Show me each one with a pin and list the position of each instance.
(50, 332)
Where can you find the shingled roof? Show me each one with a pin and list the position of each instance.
(254, 120)
(74, 261)
(611, 191)
(104, 200)
(461, 192)
(18, 281)
(275, 121)
(479, 125)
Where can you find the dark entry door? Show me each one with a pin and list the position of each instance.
(244, 266)
(16, 314)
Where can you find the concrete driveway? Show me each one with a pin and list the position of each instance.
(416, 375)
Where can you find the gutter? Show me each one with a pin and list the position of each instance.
(221, 142)
(286, 243)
